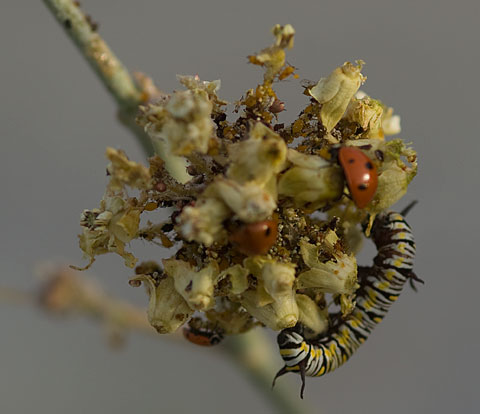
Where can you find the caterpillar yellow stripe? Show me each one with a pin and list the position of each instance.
(380, 286)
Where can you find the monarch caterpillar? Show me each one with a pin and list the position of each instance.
(380, 286)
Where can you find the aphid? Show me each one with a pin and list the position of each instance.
(255, 238)
(360, 173)
(200, 332)
(277, 106)
(380, 286)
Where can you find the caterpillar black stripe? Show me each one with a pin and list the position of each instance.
(380, 286)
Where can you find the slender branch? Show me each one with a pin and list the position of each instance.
(252, 353)
(64, 293)
(103, 61)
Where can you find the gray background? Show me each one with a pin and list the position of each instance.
(56, 120)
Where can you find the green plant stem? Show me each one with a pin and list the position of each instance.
(111, 71)
(251, 351)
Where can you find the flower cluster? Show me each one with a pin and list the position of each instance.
(263, 225)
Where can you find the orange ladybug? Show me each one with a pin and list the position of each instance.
(360, 173)
(201, 335)
(255, 238)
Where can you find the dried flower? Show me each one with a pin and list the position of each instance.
(336, 91)
(203, 222)
(334, 276)
(310, 315)
(196, 287)
(311, 182)
(125, 172)
(222, 177)
(167, 309)
(249, 202)
(259, 157)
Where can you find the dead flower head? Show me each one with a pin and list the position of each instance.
(274, 190)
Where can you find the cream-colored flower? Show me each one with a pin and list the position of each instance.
(259, 157)
(339, 276)
(125, 172)
(277, 315)
(203, 222)
(179, 125)
(390, 122)
(108, 229)
(311, 182)
(310, 315)
(167, 309)
(273, 301)
(194, 84)
(249, 202)
(367, 113)
(196, 287)
(237, 278)
(336, 91)
(273, 57)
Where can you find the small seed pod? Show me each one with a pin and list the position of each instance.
(255, 238)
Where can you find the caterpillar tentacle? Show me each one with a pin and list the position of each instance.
(380, 286)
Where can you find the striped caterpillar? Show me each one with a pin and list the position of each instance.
(380, 286)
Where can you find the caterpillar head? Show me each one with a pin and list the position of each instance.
(290, 337)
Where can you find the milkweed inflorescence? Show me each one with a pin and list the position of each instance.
(265, 215)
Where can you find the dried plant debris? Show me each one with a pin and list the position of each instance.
(264, 223)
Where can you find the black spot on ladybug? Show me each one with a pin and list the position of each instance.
(369, 165)
(351, 160)
(379, 154)
(268, 231)
(362, 187)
